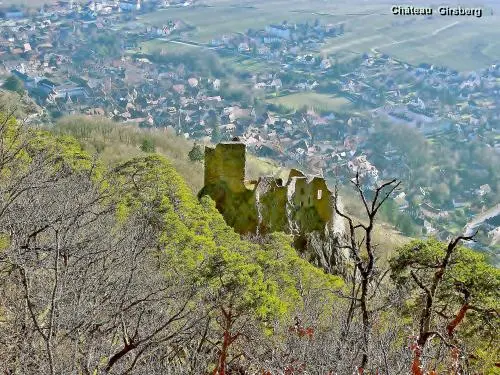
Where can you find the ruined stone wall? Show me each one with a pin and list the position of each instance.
(303, 193)
(212, 166)
(294, 173)
(225, 184)
(308, 210)
(322, 199)
(271, 199)
(226, 163)
(303, 206)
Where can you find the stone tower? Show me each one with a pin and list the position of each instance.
(226, 164)
(302, 206)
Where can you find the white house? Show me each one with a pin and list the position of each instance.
(279, 31)
(243, 47)
(483, 190)
(277, 84)
(325, 64)
(263, 50)
(130, 5)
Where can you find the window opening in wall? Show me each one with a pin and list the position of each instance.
(320, 194)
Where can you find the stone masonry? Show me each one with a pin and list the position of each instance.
(302, 206)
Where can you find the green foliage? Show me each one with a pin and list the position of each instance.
(27, 150)
(407, 226)
(12, 83)
(195, 238)
(281, 262)
(469, 279)
(440, 193)
(106, 45)
(216, 135)
(22, 105)
(240, 275)
(196, 154)
(389, 211)
(4, 241)
(63, 151)
(468, 269)
(204, 62)
(148, 145)
(237, 95)
(426, 162)
(258, 280)
(116, 143)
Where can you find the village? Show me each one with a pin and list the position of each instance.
(74, 59)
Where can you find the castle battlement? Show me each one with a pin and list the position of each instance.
(302, 206)
(268, 204)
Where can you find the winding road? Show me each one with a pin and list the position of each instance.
(479, 219)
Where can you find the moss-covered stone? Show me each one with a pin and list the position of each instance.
(304, 206)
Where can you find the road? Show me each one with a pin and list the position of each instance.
(433, 34)
(187, 43)
(478, 219)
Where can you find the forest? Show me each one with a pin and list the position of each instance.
(113, 266)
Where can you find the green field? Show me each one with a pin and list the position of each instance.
(157, 45)
(462, 43)
(468, 45)
(368, 25)
(215, 18)
(322, 102)
(244, 64)
(220, 18)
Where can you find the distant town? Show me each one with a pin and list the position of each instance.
(295, 105)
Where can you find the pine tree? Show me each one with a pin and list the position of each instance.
(196, 153)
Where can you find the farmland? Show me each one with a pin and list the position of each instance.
(476, 43)
(312, 99)
(218, 17)
(369, 25)
(241, 63)
(158, 45)
(211, 22)
(438, 40)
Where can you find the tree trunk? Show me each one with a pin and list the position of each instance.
(227, 340)
(366, 321)
(458, 319)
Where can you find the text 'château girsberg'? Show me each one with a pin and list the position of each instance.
(400, 10)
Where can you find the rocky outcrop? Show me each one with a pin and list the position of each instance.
(302, 206)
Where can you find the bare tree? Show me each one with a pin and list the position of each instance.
(365, 279)
(81, 292)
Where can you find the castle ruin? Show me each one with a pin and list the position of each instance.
(302, 206)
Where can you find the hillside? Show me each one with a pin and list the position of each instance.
(23, 107)
(107, 226)
(116, 142)
(112, 265)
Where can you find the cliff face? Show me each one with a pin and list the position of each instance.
(303, 206)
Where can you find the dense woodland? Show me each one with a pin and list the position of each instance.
(112, 266)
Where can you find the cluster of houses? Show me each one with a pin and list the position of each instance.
(432, 99)
(40, 51)
(276, 42)
(90, 8)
